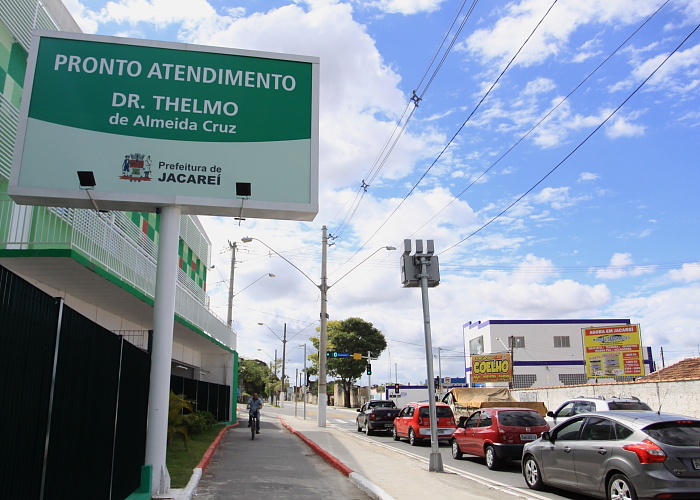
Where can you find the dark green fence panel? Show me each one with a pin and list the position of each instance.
(211, 397)
(85, 403)
(96, 426)
(130, 440)
(28, 323)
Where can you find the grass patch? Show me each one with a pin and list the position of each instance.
(181, 462)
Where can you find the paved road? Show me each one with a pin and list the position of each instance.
(344, 419)
(276, 465)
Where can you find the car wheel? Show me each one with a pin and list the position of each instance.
(492, 461)
(456, 452)
(620, 488)
(395, 435)
(368, 430)
(412, 440)
(531, 472)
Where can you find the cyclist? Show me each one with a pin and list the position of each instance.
(254, 405)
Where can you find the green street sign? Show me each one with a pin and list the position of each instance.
(161, 123)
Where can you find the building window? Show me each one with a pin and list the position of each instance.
(518, 342)
(476, 346)
(524, 381)
(562, 341)
(573, 378)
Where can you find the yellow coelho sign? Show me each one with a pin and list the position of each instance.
(492, 368)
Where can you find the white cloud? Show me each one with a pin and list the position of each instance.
(622, 266)
(557, 198)
(669, 318)
(192, 16)
(678, 75)
(687, 274)
(588, 176)
(621, 127)
(81, 15)
(500, 41)
(406, 6)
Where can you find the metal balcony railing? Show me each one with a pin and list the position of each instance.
(113, 242)
(9, 116)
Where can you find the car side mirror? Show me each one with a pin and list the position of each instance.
(461, 422)
(546, 436)
(358, 410)
(550, 414)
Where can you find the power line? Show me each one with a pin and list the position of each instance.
(543, 118)
(483, 98)
(577, 147)
(400, 128)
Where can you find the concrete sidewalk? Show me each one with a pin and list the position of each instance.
(276, 465)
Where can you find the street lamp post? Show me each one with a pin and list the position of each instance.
(323, 337)
(284, 356)
(305, 380)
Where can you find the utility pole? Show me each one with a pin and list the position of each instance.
(229, 319)
(284, 362)
(276, 369)
(439, 370)
(369, 376)
(306, 379)
(511, 343)
(323, 337)
(663, 363)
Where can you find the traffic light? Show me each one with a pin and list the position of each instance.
(396, 389)
(369, 369)
(331, 354)
(437, 383)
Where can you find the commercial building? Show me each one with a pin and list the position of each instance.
(102, 264)
(545, 352)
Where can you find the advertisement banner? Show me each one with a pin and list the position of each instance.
(492, 368)
(613, 351)
(161, 123)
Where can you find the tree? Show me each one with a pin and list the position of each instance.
(254, 376)
(350, 335)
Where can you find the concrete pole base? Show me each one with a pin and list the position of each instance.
(435, 464)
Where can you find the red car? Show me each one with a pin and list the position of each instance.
(413, 422)
(497, 434)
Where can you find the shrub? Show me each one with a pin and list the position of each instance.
(199, 421)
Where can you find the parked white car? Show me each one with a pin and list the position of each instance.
(583, 404)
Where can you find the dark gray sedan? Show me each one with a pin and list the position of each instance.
(619, 456)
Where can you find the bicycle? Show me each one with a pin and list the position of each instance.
(254, 421)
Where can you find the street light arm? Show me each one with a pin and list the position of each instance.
(248, 240)
(362, 262)
(273, 333)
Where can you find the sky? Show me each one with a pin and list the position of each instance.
(552, 157)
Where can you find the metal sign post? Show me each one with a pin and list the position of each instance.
(417, 271)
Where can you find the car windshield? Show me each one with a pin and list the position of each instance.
(442, 412)
(676, 433)
(383, 404)
(521, 419)
(628, 406)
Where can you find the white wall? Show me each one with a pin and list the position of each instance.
(681, 397)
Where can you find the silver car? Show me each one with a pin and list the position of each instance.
(618, 456)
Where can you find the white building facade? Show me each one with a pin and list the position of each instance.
(546, 352)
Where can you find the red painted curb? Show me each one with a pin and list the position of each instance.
(206, 458)
(319, 451)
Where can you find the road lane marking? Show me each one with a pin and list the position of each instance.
(497, 485)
